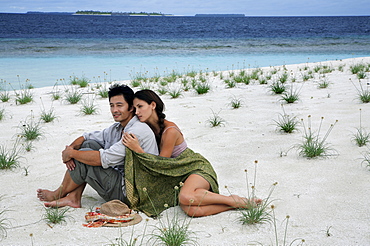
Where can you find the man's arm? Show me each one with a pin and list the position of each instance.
(115, 155)
(90, 157)
(77, 143)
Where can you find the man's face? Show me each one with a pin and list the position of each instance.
(120, 110)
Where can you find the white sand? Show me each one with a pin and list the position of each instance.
(320, 195)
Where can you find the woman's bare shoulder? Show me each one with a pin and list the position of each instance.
(170, 126)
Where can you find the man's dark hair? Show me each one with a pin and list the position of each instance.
(124, 90)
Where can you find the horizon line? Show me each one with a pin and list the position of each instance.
(193, 15)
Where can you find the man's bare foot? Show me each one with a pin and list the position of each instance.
(46, 195)
(65, 201)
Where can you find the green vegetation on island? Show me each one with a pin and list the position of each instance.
(92, 12)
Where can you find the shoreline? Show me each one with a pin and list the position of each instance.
(325, 198)
(44, 72)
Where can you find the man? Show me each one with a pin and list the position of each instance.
(97, 158)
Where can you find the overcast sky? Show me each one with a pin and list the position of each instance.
(192, 7)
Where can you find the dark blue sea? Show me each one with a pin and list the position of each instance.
(45, 48)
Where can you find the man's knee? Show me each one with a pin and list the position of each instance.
(91, 145)
(79, 173)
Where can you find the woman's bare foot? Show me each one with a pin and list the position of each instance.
(65, 201)
(242, 202)
(47, 195)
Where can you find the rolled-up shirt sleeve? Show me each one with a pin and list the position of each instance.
(98, 136)
(114, 152)
(113, 156)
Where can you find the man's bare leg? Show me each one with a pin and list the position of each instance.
(67, 186)
(73, 199)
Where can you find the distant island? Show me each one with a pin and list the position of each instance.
(92, 12)
(103, 13)
(111, 13)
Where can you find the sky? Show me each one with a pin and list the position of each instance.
(192, 7)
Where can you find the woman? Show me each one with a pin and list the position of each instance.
(196, 196)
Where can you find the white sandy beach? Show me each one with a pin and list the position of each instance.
(327, 199)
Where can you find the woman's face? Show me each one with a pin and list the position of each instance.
(144, 111)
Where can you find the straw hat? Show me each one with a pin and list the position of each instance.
(118, 208)
(114, 208)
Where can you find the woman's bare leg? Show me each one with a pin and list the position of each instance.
(196, 199)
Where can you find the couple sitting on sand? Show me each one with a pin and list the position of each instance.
(123, 162)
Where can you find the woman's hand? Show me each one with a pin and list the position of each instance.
(132, 142)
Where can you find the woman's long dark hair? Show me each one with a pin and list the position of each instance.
(150, 96)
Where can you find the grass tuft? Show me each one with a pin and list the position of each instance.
(230, 83)
(55, 94)
(73, 96)
(82, 82)
(4, 93)
(173, 230)
(298, 241)
(4, 223)
(31, 130)
(121, 241)
(323, 83)
(162, 90)
(202, 88)
(55, 215)
(277, 88)
(236, 103)
(254, 213)
(283, 78)
(89, 107)
(175, 92)
(358, 68)
(47, 116)
(291, 96)
(312, 145)
(103, 91)
(24, 96)
(9, 158)
(361, 137)
(4, 96)
(2, 114)
(28, 146)
(366, 159)
(363, 94)
(286, 123)
(216, 120)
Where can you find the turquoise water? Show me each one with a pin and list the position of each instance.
(46, 71)
(46, 49)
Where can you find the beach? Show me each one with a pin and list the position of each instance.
(326, 198)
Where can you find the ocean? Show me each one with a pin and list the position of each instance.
(47, 48)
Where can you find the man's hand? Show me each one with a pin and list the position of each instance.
(66, 154)
(70, 165)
